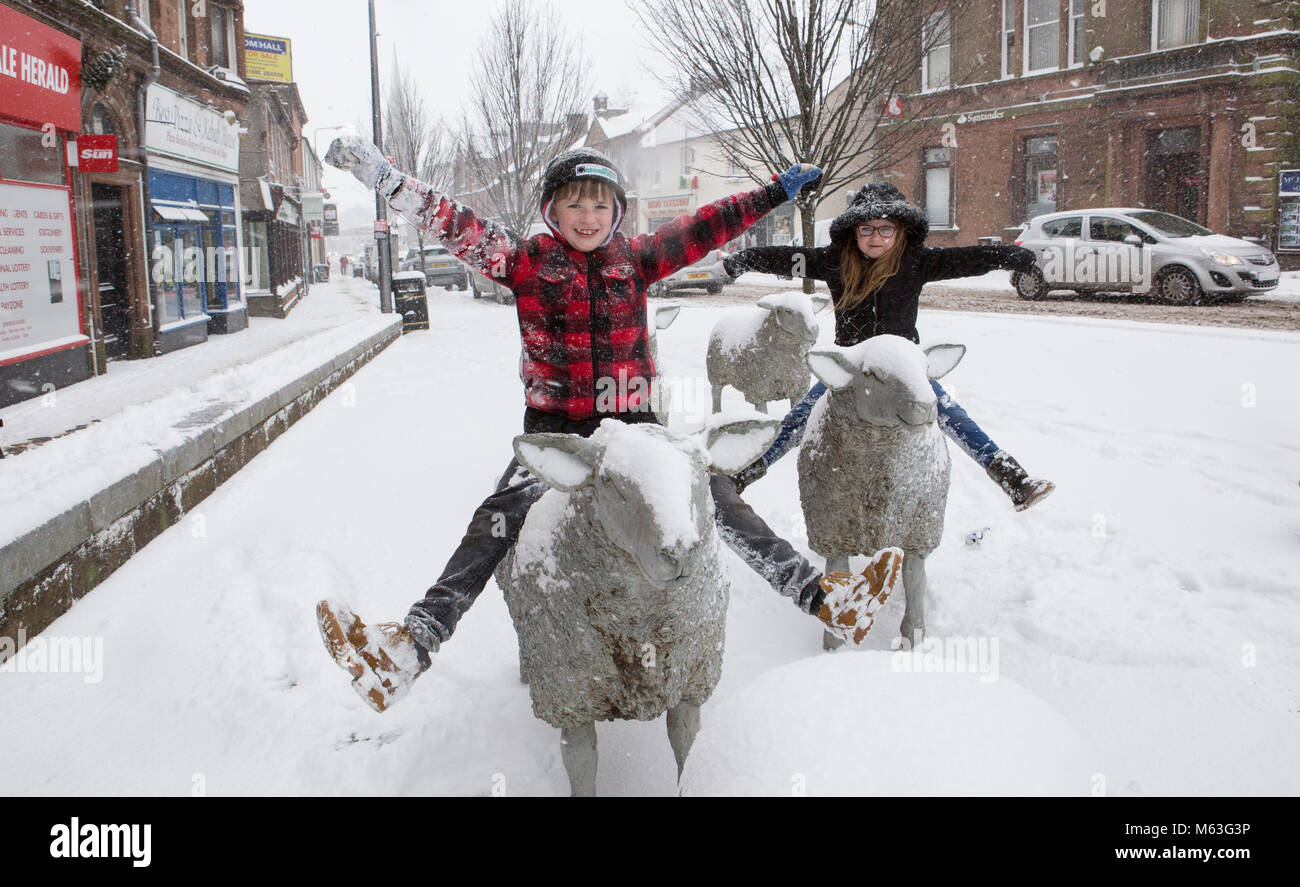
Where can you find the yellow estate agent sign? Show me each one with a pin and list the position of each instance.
(268, 58)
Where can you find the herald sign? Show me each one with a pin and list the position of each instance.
(97, 153)
(40, 72)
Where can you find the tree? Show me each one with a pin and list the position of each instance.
(785, 81)
(527, 97)
(419, 142)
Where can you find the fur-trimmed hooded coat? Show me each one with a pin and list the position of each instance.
(891, 309)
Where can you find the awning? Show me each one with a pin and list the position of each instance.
(180, 213)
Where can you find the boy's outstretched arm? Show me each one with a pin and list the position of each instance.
(488, 246)
(687, 239)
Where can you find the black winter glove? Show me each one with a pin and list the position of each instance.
(732, 267)
(1025, 259)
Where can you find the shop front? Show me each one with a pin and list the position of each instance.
(43, 344)
(195, 245)
(1288, 204)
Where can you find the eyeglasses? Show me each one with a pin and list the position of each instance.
(885, 231)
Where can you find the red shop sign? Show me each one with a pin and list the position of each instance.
(40, 72)
(97, 153)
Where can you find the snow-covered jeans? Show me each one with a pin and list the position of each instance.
(955, 422)
(497, 522)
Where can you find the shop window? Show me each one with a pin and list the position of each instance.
(1040, 175)
(1008, 38)
(259, 255)
(1042, 35)
(24, 159)
(1174, 23)
(1076, 31)
(936, 40)
(938, 187)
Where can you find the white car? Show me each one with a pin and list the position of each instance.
(1141, 251)
(707, 274)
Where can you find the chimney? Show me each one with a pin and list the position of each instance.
(601, 101)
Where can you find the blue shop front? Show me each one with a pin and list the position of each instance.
(196, 262)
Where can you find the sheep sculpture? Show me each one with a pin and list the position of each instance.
(874, 466)
(616, 586)
(762, 351)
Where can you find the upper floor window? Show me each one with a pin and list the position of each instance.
(1008, 38)
(1077, 8)
(936, 40)
(223, 36)
(184, 28)
(1042, 35)
(143, 7)
(1174, 23)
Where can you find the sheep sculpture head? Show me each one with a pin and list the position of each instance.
(794, 315)
(889, 378)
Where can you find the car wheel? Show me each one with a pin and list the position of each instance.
(713, 289)
(1176, 285)
(1030, 285)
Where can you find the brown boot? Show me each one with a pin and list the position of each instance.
(1023, 490)
(382, 659)
(852, 599)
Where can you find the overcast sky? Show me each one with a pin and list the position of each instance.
(437, 40)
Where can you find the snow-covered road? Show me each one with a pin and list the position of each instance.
(1146, 615)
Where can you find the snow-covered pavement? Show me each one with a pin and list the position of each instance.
(1145, 616)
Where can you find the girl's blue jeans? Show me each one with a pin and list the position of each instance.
(955, 422)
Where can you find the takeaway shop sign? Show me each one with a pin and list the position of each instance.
(40, 72)
(183, 128)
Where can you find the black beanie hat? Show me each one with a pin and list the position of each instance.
(880, 200)
(582, 163)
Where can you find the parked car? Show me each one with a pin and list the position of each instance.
(707, 274)
(1141, 250)
(441, 268)
(485, 287)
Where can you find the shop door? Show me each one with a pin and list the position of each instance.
(110, 259)
(1173, 173)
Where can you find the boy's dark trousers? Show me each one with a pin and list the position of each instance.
(497, 522)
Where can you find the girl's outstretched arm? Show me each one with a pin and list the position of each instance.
(783, 261)
(944, 263)
(489, 247)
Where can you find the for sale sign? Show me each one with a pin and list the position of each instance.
(38, 277)
(97, 153)
(40, 72)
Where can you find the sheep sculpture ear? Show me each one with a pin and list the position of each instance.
(820, 301)
(833, 368)
(941, 359)
(771, 303)
(665, 315)
(564, 461)
(736, 438)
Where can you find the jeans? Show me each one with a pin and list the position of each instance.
(953, 420)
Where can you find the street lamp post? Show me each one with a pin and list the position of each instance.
(381, 210)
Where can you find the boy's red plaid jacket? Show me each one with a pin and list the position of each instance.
(582, 316)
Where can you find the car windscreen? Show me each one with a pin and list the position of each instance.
(1170, 226)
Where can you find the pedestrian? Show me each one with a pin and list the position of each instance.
(581, 302)
(875, 266)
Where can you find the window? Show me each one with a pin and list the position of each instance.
(938, 190)
(1040, 175)
(143, 7)
(101, 121)
(223, 37)
(1070, 226)
(737, 168)
(688, 157)
(1174, 23)
(184, 28)
(1112, 229)
(1008, 37)
(936, 41)
(1076, 32)
(1042, 35)
(23, 159)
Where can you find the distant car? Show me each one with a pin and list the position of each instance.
(441, 268)
(485, 287)
(1140, 251)
(707, 274)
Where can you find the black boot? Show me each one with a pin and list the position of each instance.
(747, 475)
(1023, 490)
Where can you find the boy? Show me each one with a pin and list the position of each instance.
(581, 300)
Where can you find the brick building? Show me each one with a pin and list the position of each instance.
(1187, 106)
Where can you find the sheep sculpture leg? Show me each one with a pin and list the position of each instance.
(578, 750)
(761, 406)
(717, 398)
(683, 724)
(913, 627)
(834, 563)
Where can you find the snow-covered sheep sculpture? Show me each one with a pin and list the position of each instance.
(661, 317)
(874, 467)
(616, 585)
(762, 351)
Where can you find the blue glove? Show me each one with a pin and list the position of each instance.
(794, 178)
(362, 159)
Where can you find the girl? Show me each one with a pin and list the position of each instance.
(875, 267)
